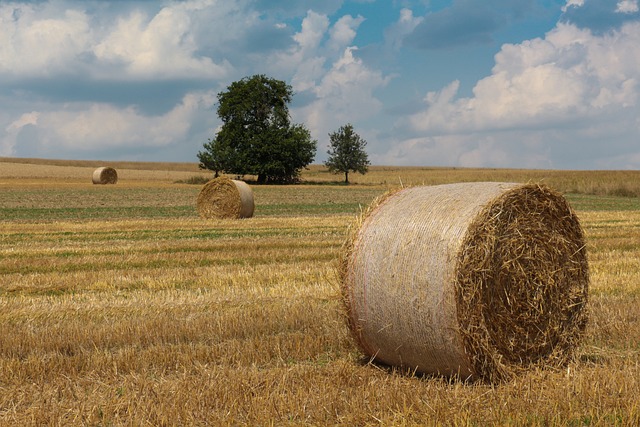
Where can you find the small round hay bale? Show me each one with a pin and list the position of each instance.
(225, 198)
(105, 175)
(474, 280)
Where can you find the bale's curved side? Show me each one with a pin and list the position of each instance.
(225, 198)
(419, 293)
(247, 204)
(105, 175)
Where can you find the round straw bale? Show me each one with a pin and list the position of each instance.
(475, 280)
(105, 175)
(225, 198)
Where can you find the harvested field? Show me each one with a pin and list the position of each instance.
(120, 306)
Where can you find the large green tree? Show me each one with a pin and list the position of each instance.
(257, 136)
(346, 152)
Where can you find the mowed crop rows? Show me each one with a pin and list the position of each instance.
(119, 306)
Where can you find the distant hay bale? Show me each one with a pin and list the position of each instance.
(105, 175)
(225, 198)
(475, 280)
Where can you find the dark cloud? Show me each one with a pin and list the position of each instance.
(288, 8)
(465, 22)
(266, 37)
(598, 15)
(150, 97)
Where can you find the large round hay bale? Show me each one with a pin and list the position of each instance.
(105, 175)
(475, 280)
(225, 198)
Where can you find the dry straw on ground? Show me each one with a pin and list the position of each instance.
(225, 198)
(105, 175)
(476, 280)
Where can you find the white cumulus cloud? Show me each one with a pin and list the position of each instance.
(572, 3)
(344, 94)
(162, 47)
(541, 95)
(48, 39)
(33, 42)
(344, 31)
(94, 127)
(314, 28)
(405, 25)
(627, 6)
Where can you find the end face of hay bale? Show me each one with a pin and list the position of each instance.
(225, 198)
(474, 280)
(105, 175)
(524, 305)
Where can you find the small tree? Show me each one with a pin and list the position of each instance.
(212, 157)
(346, 152)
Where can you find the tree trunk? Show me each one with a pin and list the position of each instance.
(346, 177)
(261, 179)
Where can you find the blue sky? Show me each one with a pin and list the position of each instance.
(465, 83)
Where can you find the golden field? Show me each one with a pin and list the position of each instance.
(119, 306)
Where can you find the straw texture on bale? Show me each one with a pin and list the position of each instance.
(474, 280)
(105, 175)
(225, 198)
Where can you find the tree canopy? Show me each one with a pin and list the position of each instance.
(346, 152)
(256, 136)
